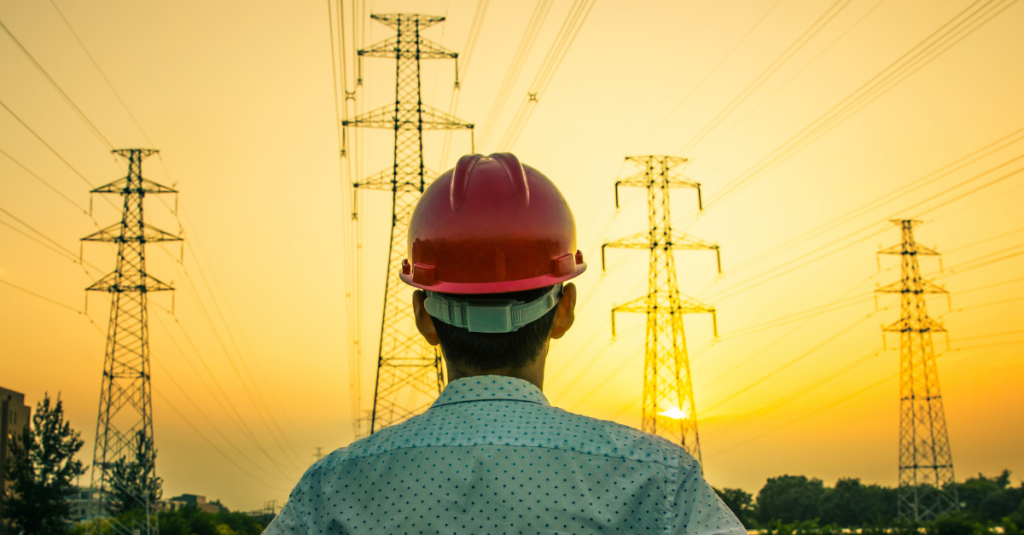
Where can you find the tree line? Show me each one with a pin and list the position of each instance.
(795, 504)
(41, 469)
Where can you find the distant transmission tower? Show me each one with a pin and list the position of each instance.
(668, 406)
(409, 373)
(126, 406)
(927, 486)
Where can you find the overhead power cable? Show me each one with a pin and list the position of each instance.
(556, 54)
(540, 14)
(804, 417)
(233, 413)
(795, 47)
(43, 297)
(786, 366)
(465, 57)
(231, 337)
(708, 76)
(102, 74)
(198, 408)
(45, 183)
(965, 23)
(77, 110)
(214, 446)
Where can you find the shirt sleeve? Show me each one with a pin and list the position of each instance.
(698, 509)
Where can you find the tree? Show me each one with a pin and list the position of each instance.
(852, 504)
(740, 502)
(790, 499)
(41, 467)
(133, 484)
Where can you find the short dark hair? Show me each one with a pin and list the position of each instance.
(493, 351)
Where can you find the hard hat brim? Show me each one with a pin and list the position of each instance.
(497, 287)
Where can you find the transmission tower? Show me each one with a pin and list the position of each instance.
(126, 407)
(409, 372)
(668, 406)
(927, 486)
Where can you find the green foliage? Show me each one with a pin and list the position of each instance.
(192, 521)
(790, 499)
(957, 523)
(851, 503)
(41, 467)
(741, 504)
(188, 520)
(133, 483)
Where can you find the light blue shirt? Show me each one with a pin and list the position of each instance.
(492, 456)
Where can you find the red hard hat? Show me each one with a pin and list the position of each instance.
(491, 225)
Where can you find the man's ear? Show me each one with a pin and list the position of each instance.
(565, 312)
(424, 323)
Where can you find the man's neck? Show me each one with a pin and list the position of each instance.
(532, 372)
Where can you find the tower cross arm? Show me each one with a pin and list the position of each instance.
(386, 118)
(124, 186)
(637, 305)
(112, 282)
(899, 287)
(420, 49)
(914, 249)
(113, 233)
(928, 324)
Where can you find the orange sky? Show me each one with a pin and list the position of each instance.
(238, 97)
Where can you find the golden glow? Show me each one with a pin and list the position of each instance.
(238, 97)
(675, 413)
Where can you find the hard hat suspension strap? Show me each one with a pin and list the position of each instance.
(490, 315)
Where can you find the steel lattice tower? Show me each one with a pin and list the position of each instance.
(409, 372)
(927, 485)
(668, 406)
(126, 407)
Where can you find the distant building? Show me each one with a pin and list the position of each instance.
(14, 417)
(196, 501)
(83, 504)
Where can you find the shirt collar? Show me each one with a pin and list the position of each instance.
(490, 388)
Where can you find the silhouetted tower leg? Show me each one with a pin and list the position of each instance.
(126, 408)
(927, 484)
(409, 372)
(668, 406)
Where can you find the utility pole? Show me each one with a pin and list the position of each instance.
(126, 405)
(927, 485)
(409, 371)
(668, 406)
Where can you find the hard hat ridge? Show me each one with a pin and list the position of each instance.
(464, 171)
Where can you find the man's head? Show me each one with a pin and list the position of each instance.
(474, 353)
(491, 245)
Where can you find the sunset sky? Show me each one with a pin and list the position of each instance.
(810, 124)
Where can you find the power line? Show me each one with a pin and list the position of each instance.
(44, 182)
(78, 111)
(710, 74)
(792, 77)
(796, 46)
(938, 42)
(241, 357)
(102, 74)
(47, 145)
(540, 14)
(804, 417)
(214, 446)
(578, 14)
(198, 408)
(43, 297)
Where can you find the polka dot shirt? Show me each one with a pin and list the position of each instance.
(492, 456)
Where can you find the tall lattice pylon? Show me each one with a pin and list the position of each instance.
(927, 485)
(668, 406)
(409, 371)
(126, 406)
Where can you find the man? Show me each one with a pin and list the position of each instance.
(492, 244)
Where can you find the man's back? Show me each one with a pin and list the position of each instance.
(492, 456)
